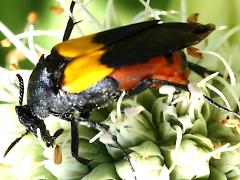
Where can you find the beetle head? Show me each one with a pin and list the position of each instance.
(31, 122)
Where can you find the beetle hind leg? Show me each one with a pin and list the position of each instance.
(146, 83)
(104, 128)
(125, 155)
(201, 71)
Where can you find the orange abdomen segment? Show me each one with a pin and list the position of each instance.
(172, 69)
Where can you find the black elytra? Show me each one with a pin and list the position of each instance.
(45, 96)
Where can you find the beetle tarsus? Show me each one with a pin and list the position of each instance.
(210, 101)
(126, 155)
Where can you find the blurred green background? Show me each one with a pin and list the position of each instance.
(14, 15)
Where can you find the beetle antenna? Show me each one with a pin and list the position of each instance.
(21, 88)
(14, 143)
(21, 93)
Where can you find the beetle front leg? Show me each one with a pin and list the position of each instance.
(70, 24)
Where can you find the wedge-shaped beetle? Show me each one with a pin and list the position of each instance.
(84, 74)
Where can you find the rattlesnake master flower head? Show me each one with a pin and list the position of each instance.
(171, 136)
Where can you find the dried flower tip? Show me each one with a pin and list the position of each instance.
(5, 43)
(13, 57)
(56, 9)
(57, 157)
(32, 17)
(14, 67)
(193, 18)
(230, 122)
(194, 52)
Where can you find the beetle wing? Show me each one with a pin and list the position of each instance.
(161, 39)
(85, 68)
(94, 42)
(83, 72)
(124, 46)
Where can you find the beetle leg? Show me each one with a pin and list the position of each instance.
(210, 101)
(146, 83)
(201, 71)
(75, 145)
(70, 24)
(125, 155)
(104, 128)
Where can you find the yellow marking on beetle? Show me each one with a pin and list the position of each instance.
(83, 72)
(78, 47)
